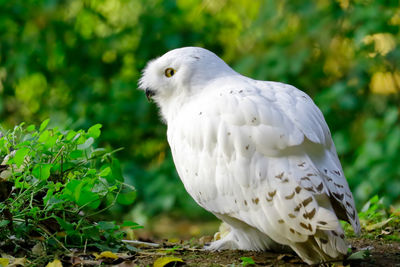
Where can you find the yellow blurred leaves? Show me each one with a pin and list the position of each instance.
(383, 43)
(340, 57)
(344, 4)
(114, 15)
(395, 20)
(109, 56)
(29, 90)
(385, 83)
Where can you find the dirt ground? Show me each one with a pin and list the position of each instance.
(380, 253)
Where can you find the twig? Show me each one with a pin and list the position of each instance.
(141, 243)
(58, 154)
(52, 236)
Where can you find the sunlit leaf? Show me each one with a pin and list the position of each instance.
(42, 171)
(378, 225)
(94, 131)
(20, 156)
(4, 262)
(30, 128)
(131, 225)
(105, 254)
(71, 134)
(161, 262)
(44, 125)
(106, 171)
(44, 136)
(54, 263)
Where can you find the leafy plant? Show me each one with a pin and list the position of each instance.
(54, 187)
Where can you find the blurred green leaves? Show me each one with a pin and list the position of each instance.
(78, 63)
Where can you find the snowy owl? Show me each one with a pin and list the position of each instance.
(257, 154)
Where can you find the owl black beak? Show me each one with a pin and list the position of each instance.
(149, 94)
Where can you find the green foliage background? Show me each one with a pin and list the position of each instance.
(78, 62)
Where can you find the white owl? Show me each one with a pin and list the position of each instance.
(257, 154)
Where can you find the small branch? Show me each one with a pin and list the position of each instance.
(141, 243)
(58, 154)
(52, 236)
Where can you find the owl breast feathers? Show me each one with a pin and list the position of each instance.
(257, 154)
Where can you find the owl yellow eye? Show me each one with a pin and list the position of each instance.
(169, 72)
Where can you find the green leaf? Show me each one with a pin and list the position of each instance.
(359, 255)
(93, 232)
(105, 172)
(87, 144)
(30, 128)
(20, 156)
(42, 171)
(44, 136)
(94, 131)
(98, 152)
(104, 225)
(44, 125)
(75, 154)
(116, 170)
(49, 195)
(64, 224)
(71, 134)
(4, 223)
(126, 198)
(131, 225)
(247, 261)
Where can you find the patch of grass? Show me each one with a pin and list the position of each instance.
(378, 221)
(53, 187)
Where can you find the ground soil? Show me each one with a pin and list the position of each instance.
(381, 253)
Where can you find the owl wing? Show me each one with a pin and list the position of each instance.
(261, 152)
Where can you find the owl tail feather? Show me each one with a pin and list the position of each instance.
(324, 246)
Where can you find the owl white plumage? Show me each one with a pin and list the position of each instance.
(257, 154)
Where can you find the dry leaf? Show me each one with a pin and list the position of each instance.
(377, 225)
(387, 231)
(161, 262)
(19, 262)
(173, 240)
(105, 255)
(205, 239)
(4, 262)
(38, 249)
(284, 257)
(55, 263)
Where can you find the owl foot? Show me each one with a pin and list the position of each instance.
(227, 242)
